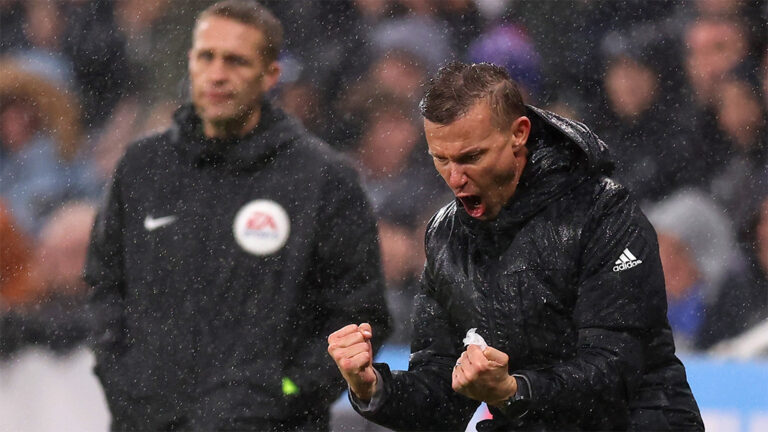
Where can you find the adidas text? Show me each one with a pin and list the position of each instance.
(626, 266)
(626, 261)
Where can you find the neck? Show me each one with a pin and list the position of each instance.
(522, 159)
(232, 128)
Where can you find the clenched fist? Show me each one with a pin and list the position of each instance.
(351, 349)
(482, 375)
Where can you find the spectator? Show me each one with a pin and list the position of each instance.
(97, 50)
(698, 249)
(44, 360)
(652, 149)
(57, 318)
(508, 45)
(39, 139)
(741, 122)
(715, 47)
(743, 300)
(404, 191)
(301, 99)
(395, 76)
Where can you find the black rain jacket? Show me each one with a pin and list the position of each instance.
(196, 331)
(567, 281)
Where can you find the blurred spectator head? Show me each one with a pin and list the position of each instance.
(715, 46)
(401, 255)
(30, 104)
(399, 74)
(372, 9)
(696, 242)
(719, 7)
(300, 99)
(44, 24)
(740, 113)
(393, 79)
(422, 36)
(62, 247)
(389, 137)
(631, 86)
(19, 122)
(509, 46)
(680, 270)
(136, 16)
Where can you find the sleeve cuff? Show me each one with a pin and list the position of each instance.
(376, 401)
(518, 405)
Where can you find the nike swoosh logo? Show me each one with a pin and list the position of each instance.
(151, 224)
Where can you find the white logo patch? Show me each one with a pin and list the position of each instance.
(151, 223)
(626, 261)
(261, 227)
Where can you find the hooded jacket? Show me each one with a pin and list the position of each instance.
(219, 267)
(567, 281)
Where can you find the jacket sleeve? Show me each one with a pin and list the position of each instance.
(617, 309)
(422, 398)
(104, 273)
(349, 286)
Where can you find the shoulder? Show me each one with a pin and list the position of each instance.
(148, 149)
(614, 215)
(603, 207)
(314, 154)
(607, 195)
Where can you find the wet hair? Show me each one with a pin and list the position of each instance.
(253, 14)
(458, 86)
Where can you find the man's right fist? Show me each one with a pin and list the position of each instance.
(351, 349)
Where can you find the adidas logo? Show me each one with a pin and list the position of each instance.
(626, 261)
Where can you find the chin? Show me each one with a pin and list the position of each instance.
(218, 117)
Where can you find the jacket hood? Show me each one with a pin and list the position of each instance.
(562, 155)
(595, 150)
(275, 131)
(57, 108)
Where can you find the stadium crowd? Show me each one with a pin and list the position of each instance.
(677, 89)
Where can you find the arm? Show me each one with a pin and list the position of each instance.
(349, 286)
(422, 397)
(616, 309)
(104, 273)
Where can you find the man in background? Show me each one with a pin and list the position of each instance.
(227, 249)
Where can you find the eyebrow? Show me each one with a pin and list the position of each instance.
(464, 153)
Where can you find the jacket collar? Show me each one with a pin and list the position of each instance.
(275, 131)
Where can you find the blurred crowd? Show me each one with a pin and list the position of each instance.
(677, 89)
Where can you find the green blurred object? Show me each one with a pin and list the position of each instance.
(289, 387)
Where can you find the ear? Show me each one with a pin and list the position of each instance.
(271, 76)
(520, 130)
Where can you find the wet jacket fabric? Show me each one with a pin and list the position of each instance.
(219, 268)
(567, 281)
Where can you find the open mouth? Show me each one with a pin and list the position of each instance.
(473, 205)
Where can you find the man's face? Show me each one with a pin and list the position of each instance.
(228, 75)
(479, 162)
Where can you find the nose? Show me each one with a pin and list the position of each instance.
(456, 178)
(217, 72)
